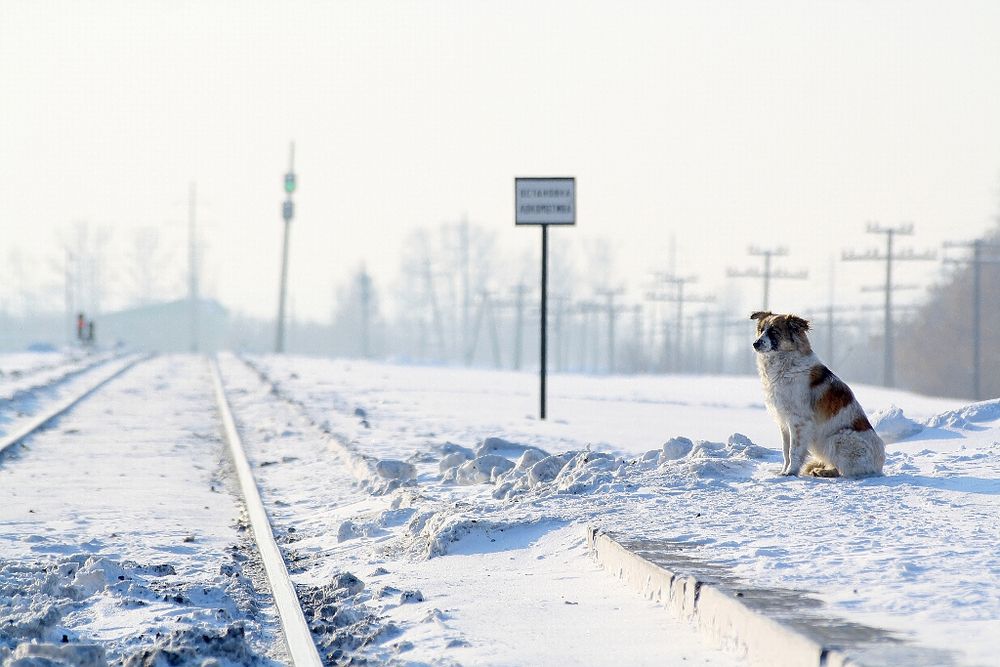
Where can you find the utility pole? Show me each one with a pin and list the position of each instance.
(703, 349)
(637, 337)
(485, 306)
(287, 213)
(678, 297)
(463, 231)
(561, 338)
(365, 288)
(612, 315)
(768, 273)
(976, 262)
(193, 267)
(68, 295)
(431, 295)
(519, 291)
(888, 369)
(586, 309)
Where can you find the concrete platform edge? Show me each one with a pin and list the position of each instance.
(719, 616)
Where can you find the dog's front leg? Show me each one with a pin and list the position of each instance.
(784, 449)
(798, 447)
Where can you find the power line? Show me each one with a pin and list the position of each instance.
(768, 273)
(678, 297)
(908, 255)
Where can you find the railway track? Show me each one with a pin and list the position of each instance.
(20, 382)
(298, 640)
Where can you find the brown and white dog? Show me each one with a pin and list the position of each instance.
(816, 412)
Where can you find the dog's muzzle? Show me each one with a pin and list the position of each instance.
(761, 344)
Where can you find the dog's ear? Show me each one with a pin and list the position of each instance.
(760, 314)
(798, 324)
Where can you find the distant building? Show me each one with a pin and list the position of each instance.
(165, 327)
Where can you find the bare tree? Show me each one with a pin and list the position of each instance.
(148, 263)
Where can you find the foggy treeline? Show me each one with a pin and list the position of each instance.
(935, 347)
(458, 301)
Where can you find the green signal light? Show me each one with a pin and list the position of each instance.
(289, 183)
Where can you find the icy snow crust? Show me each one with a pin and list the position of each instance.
(120, 539)
(690, 462)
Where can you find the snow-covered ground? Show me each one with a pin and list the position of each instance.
(428, 516)
(512, 593)
(912, 553)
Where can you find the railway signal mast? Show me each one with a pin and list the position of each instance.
(287, 212)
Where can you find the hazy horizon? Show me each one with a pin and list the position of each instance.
(720, 125)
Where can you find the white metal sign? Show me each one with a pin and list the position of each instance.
(545, 201)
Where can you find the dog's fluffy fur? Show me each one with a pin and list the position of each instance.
(816, 412)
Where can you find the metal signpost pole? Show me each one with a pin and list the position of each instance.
(545, 291)
(544, 202)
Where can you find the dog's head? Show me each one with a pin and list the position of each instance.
(780, 333)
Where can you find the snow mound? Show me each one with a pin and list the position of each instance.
(892, 425)
(675, 448)
(340, 619)
(391, 469)
(737, 458)
(195, 645)
(574, 472)
(54, 655)
(451, 448)
(434, 533)
(984, 411)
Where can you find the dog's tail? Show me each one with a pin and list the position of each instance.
(820, 469)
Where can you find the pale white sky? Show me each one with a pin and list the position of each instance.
(723, 123)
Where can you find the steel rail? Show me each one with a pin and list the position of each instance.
(298, 638)
(23, 432)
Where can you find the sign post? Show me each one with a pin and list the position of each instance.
(544, 202)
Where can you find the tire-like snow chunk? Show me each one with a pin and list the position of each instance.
(505, 448)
